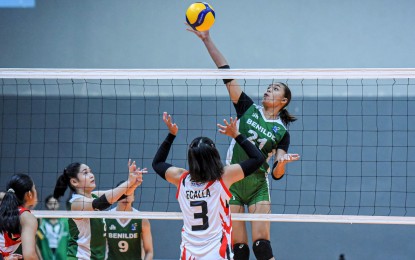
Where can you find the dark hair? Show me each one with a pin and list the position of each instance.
(285, 116)
(17, 187)
(48, 198)
(63, 182)
(204, 160)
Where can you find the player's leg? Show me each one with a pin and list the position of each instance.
(261, 232)
(239, 236)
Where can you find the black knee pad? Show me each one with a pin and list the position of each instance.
(240, 251)
(262, 249)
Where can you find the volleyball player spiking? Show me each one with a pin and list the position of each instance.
(266, 127)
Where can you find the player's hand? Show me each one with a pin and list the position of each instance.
(173, 128)
(289, 157)
(14, 257)
(202, 35)
(229, 129)
(131, 166)
(135, 177)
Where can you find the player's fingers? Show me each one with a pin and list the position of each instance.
(166, 119)
(235, 120)
(295, 156)
(221, 126)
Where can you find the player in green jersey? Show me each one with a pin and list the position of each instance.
(86, 235)
(266, 127)
(52, 235)
(128, 238)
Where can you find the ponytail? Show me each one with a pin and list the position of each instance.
(17, 188)
(286, 117)
(63, 182)
(60, 187)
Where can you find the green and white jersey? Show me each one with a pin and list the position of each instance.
(124, 239)
(266, 134)
(52, 239)
(86, 236)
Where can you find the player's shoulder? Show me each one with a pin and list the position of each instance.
(256, 106)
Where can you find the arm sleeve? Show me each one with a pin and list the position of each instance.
(256, 158)
(244, 102)
(283, 144)
(122, 197)
(225, 81)
(159, 162)
(101, 203)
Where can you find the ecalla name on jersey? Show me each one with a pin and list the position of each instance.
(197, 194)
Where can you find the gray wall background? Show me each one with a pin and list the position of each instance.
(151, 34)
(252, 34)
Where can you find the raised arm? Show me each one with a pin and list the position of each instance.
(236, 172)
(107, 198)
(232, 85)
(165, 170)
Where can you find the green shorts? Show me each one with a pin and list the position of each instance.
(250, 190)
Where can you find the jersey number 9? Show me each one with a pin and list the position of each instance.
(123, 245)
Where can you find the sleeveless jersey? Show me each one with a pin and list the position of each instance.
(207, 228)
(58, 234)
(124, 239)
(264, 133)
(86, 236)
(10, 242)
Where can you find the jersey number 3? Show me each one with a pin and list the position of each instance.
(202, 215)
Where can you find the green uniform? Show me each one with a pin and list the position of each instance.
(86, 237)
(124, 239)
(53, 236)
(268, 136)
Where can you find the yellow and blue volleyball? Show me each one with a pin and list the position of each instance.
(200, 16)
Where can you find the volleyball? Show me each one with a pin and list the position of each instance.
(200, 16)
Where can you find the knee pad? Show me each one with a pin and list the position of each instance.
(240, 251)
(262, 249)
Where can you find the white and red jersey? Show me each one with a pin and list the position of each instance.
(10, 242)
(207, 228)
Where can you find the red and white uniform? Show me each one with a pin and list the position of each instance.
(207, 228)
(10, 242)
